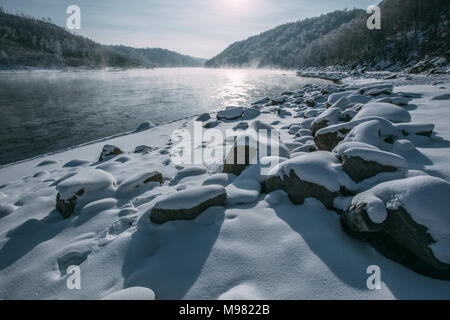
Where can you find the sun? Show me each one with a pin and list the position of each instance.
(234, 5)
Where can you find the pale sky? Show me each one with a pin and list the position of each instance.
(200, 28)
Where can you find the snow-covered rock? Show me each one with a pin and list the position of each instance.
(326, 118)
(87, 185)
(133, 293)
(421, 129)
(187, 204)
(407, 220)
(384, 110)
(303, 139)
(327, 138)
(143, 149)
(403, 145)
(377, 89)
(335, 97)
(294, 129)
(309, 146)
(363, 163)
(187, 172)
(341, 104)
(303, 133)
(250, 144)
(318, 174)
(145, 126)
(243, 190)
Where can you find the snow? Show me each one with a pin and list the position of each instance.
(303, 139)
(425, 198)
(187, 172)
(384, 125)
(253, 136)
(335, 97)
(243, 190)
(344, 146)
(403, 145)
(189, 198)
(366, 132)
(387, 111)
(310, 145)
(134, 293)
(294, 129)
(331, 115)
(134, 182)
(414, 128)
(377, 89)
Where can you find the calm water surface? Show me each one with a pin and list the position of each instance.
(47, 111)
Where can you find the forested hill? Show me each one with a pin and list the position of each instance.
(28, 42)
(410, 30)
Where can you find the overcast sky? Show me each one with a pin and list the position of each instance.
(200, 28)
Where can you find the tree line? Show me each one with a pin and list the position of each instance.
(410, 30)
(29, 42)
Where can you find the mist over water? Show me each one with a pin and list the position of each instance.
(51, 110)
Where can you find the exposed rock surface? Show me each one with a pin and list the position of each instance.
(188, 204)
(109, 151)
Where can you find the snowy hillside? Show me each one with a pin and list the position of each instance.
(361, 178)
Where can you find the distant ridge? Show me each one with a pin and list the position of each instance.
(29, 42)
(410, 30)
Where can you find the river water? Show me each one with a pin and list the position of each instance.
(44, 111)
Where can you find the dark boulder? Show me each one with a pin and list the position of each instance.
(399, 238)
(109, 151)
(359, 169)
(67, 207)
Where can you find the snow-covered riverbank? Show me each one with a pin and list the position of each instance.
(270, 239)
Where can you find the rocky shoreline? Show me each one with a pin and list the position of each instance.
(361, 140)
(354, 149)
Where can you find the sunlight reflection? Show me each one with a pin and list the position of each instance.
(236, 87)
